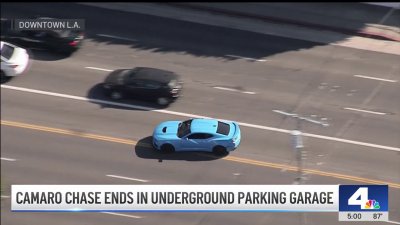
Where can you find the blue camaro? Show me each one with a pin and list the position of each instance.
(208, 135)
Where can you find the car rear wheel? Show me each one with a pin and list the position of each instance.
(220, 150)
(163, 101)
(116, 95)
(167, 148)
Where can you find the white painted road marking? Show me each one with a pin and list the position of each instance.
(124, 215)
(8, 159)
(226, 89)
(221, 88)
(376, 78)
(127, 178)
(247, 58)
(5, 196)
(96, 68)
(249, 92)
(196, 116)
(390, 221)
(234, 90)
(366, 111)
(116, 37)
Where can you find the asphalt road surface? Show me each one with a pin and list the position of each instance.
(228, 74)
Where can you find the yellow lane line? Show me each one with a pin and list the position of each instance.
(71, 133)
(229, 158)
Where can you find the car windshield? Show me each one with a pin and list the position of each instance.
(184, 128)
(7, 51)
(127, 75)
(62, 33)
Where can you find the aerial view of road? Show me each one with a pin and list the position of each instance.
(58, 125)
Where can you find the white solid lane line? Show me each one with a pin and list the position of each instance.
(127, 178)
(124, 215)
(366, 111)
(376, 78)
(5, 196)
(28, 90)
(247, 58)
(8, 159)
(390, 221)
(116, 37)
(96, 68)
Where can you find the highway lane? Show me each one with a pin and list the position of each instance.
(77, 160)
(138, 124)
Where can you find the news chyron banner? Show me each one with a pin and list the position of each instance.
(353, 200)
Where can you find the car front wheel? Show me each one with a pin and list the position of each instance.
(116, 95)
(167, 148)
(220, 150)
(4, 77)
(163, 101)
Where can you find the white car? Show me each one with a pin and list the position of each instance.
(14, 60)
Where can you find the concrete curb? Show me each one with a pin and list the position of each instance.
(362, 33)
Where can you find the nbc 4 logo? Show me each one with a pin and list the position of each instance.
(360, 197)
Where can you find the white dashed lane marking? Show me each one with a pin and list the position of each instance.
(246, 58)
(234, 90)
(375, 78)
(96, 68)
(127, 178)
(366, 111)
(124, 215)
(249, 92)
(226, 89)
(8, 159)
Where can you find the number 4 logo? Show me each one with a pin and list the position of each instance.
(360, 197)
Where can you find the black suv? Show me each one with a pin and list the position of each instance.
(144, 83)
(64, 41)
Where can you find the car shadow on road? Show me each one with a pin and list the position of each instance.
(38, 52)
(144, 150)
(5, 79)
(96, 94)
(46, 55)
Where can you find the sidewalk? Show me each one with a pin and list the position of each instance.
(323, 36)
(356, 19)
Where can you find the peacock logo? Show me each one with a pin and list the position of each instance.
(372, 204)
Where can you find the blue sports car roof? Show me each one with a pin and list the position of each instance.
(204, 126)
